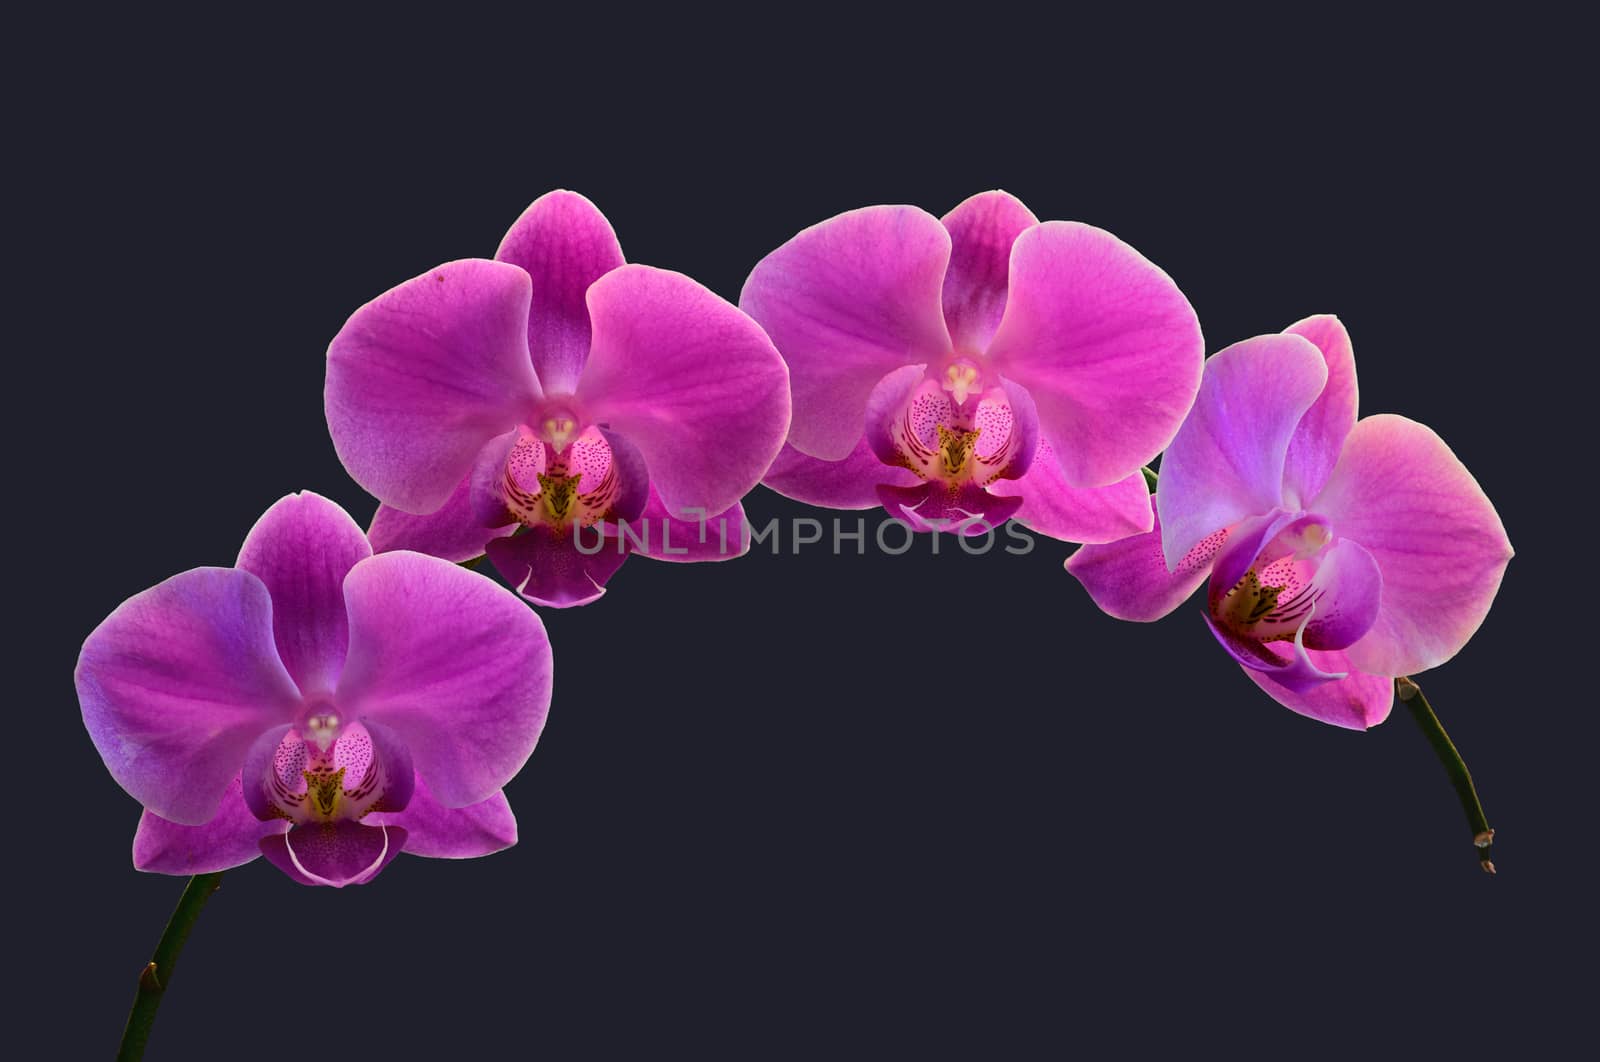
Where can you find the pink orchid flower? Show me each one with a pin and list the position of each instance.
(1340, 553)
(965, 371)
(316, 704)
(509, 405)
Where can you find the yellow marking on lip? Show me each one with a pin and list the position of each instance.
(324, 787)
(955, 449)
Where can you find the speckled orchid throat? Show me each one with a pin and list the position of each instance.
(562, 475)
(951, 433)
(955, 429)
(1284, 584)
(326, 769)
(324, 774)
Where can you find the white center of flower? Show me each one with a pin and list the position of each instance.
(960, 379)
(321, 729)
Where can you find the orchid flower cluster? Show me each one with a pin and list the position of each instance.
(340, 696)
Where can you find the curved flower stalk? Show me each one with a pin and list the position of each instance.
(509, 405)
(963, 371)
(1338, 554)
(316, 704)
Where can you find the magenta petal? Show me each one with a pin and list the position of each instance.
(438, 832)
(422, 376)
(484, 501)
(176, 684)
(1351, 587)
(982, 230)
(228, 840)
(1401, 493)
(634, 489)
(1314, 447)
(689, 380)
(451, 532)
(846, 302)
(456, 666)
(1226, 462)
(1053, 507)
(695, 536)
(885, 403)
(1025, 431)
(302, 548)
(848, 484)
(334, 853)
(260, 761)
(565, 244)
(1356, 702)
(1129, 579)
(1105, 343)
(549, 569)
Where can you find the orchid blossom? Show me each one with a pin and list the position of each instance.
(508, 405)
(963, 371)
(1339, 553)
(317, 704)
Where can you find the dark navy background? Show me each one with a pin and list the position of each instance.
(818, 806)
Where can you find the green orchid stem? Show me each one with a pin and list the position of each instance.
(157, 974)
(1410, 695)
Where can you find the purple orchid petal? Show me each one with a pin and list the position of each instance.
(459, 668)
(302, 548)
(1314, 447)
(379, 771)
(1129, 579)
(1400, 492)
(1053, 507)
(264, 760)
(848, 484)
(1357, 701)
(438, 832)
(484, 500)
(690, 380)
(885, 402)
(848, 301)
(452, 532)
(334, 853)
(1024, 433)
(177, 683)
(1226, 463)
(982, 230)
(693, 537)
(634, 486)
(425, 374)
(971, 511)
(549, 569)
(1351, 587)
(1105, 343)
(1288, 663)
(228, 840)
(565, 244)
